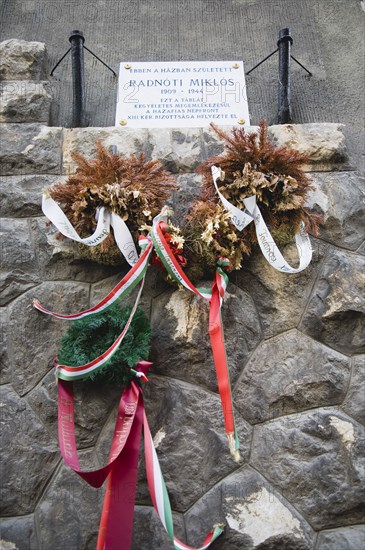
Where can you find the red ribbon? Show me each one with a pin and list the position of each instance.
(219, 355)
(117, 516)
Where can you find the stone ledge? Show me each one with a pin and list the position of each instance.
(323, 143)
(182, 149)
(82, 140)
(22, 60)
(25, 101)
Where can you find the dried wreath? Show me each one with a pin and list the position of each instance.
(250, 166)
(131, 187)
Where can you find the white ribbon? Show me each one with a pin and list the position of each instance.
(105, 219)
(267, 244)
(239, 217)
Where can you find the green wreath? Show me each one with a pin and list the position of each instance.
(91, 336)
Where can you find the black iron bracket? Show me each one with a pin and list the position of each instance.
(78, 77)
(284, 45)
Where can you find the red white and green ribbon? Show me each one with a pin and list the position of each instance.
(121, 290)
(116, 522)
(266, 242)
(105, 220)
(68, 372)
(168, 259)
(215, 297)
(160, 497)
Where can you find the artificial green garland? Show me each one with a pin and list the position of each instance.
(91, 336)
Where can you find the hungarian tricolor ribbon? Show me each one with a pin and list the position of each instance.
(116, 524)
(215, 297)
(137, 274)
(115, 531)
(159, 494)
(121, 290)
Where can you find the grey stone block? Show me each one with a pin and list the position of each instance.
(25, 101)
(21, 196)
(69, 512)
(335, 312)
(59, 258)
(280, 298)
(93, 404)
(180, 345)
(22, 60)
(187, 426)
(339, 197)
(323, 143)
(30, 149)
(20, 531)
(82, 140)
(254, 514)
(290, 373)
(29, 455)
(148, 531)
(315, 459)
(354, 404)
(34, 337)
(343, 538)
(179, 150)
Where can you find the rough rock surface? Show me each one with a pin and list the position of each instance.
(280, 299)
(181, 345)
(147, 528)
(343, 538)
(21, 531)
(178, 150)
(93, 404)
(242, 502)
(21, 196)
(29, 455)
(354, 404)
(337, 300)
(30, 149)
(127, 141)
(30, 363)
(22, 60)
(316, 460)
(324, 144)
(62, 521)
(25, 101)
(338, 196)
(290, 373)
(59, 259)
(189, 188)
(181, 150)
(193, 458)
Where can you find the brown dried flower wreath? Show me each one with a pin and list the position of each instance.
(134, 188)
(252, 165)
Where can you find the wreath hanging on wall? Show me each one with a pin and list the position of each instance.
(89, 337)
(251, 165)
(132, 187)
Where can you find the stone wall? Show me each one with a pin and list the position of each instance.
(294, 349)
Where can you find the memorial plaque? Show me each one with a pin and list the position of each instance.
(182, 94)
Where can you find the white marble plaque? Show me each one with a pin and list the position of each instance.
(182, 94)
